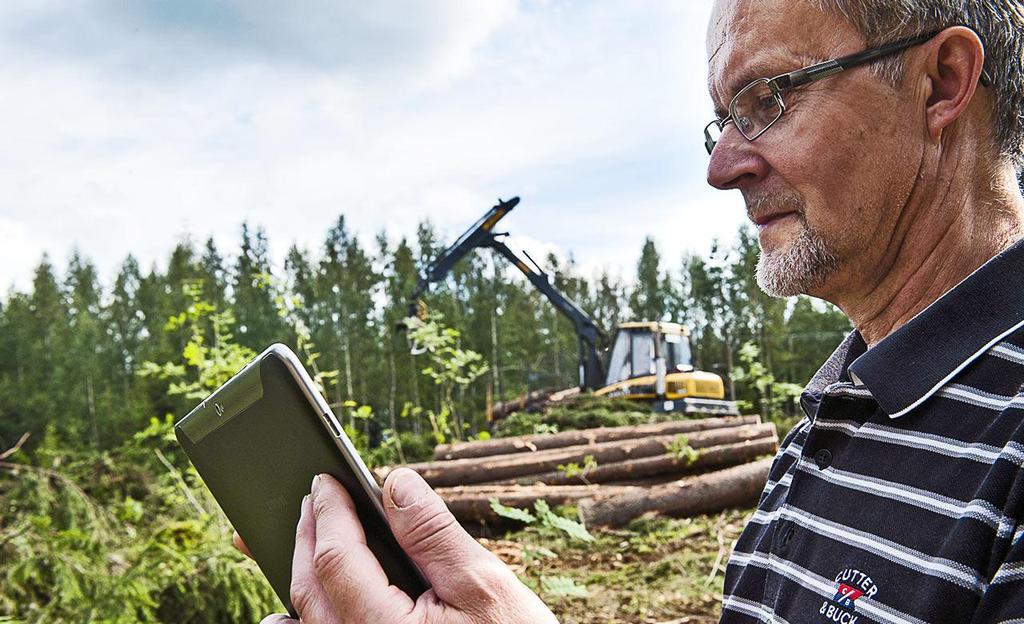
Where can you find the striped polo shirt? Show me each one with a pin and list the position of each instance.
(900, 496)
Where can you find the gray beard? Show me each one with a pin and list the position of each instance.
(797, 268)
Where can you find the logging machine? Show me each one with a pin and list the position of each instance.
(649, 360)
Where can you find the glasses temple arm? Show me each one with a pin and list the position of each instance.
(818, 71)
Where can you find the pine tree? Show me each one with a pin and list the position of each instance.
(347, 282)
(649, 299)
(126, 332)
(84, 381)
(813, 329)
(259, 324)
(608, 304)
(46, 335)
(214, 275)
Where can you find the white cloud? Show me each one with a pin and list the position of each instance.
(390, 113)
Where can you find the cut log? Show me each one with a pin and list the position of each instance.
(707, 493)
(473, 503)
(478, 470)
(709, 458)
(534, 400)
(563, 396)
(540, 442)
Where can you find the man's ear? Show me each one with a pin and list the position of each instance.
(955, 60)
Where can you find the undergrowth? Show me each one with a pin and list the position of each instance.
(120, 537)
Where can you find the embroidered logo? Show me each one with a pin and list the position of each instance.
(846, 596)
(851, 585)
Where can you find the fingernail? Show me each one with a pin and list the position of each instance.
(315, 486)
(408, 489)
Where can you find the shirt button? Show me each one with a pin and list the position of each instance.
(823, 458)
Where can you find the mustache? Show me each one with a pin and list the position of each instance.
(763, 205)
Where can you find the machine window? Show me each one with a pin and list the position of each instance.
(618, 362)
(643, 353)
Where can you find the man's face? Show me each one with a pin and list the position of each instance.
(827, 183)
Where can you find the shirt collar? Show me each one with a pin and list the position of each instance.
(834, 370)
(910, 365)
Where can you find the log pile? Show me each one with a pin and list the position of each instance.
(613, 474)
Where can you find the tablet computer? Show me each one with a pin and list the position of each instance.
(258, 441)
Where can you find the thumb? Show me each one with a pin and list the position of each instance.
(452, 561)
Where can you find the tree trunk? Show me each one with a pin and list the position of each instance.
(92, 411)
(707, 493)
(472, 503)
(348, 372)
(337, 386)
(710, 458)
(392, 390)
(531, 443)
(728, 364)
(495, 370)
(478, 470)
(417, 421)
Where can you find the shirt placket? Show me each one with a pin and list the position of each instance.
(839, 401)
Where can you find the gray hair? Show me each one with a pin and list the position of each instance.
(999, 24)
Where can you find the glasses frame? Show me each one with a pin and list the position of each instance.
(814, 73)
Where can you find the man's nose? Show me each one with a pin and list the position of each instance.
(735, 162)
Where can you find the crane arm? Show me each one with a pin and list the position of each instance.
(591, 367)
(481, 234)
(478, 235)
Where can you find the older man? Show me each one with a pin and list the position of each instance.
(877, 145)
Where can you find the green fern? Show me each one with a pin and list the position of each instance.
(562, 587)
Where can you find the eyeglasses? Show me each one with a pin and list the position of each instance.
(759, 105)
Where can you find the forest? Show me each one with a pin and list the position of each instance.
(102, 518)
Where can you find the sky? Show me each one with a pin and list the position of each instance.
(130, 125)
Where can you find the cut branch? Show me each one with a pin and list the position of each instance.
(17, 446)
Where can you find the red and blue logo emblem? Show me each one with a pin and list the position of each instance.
(846, 596)
(851, 585)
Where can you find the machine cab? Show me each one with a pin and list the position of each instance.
(638, 346)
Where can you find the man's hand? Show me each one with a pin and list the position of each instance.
(336, 579)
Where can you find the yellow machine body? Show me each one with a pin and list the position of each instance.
(650, 361)
(677, 386)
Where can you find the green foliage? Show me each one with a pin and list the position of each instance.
(130, 534)
(776, 400)
(552, 525)
(451, 368)
(544, 517)
(80, 547)
(575, 470)
(512, 513)
(75, 347)
(403, 447)
(570, 527)
(536, 553)
(653, 290)
(562, 587)
(680, 448)
(206, 363)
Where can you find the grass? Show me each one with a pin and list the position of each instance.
(655, 571)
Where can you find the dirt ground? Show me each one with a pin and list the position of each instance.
(655, 571)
